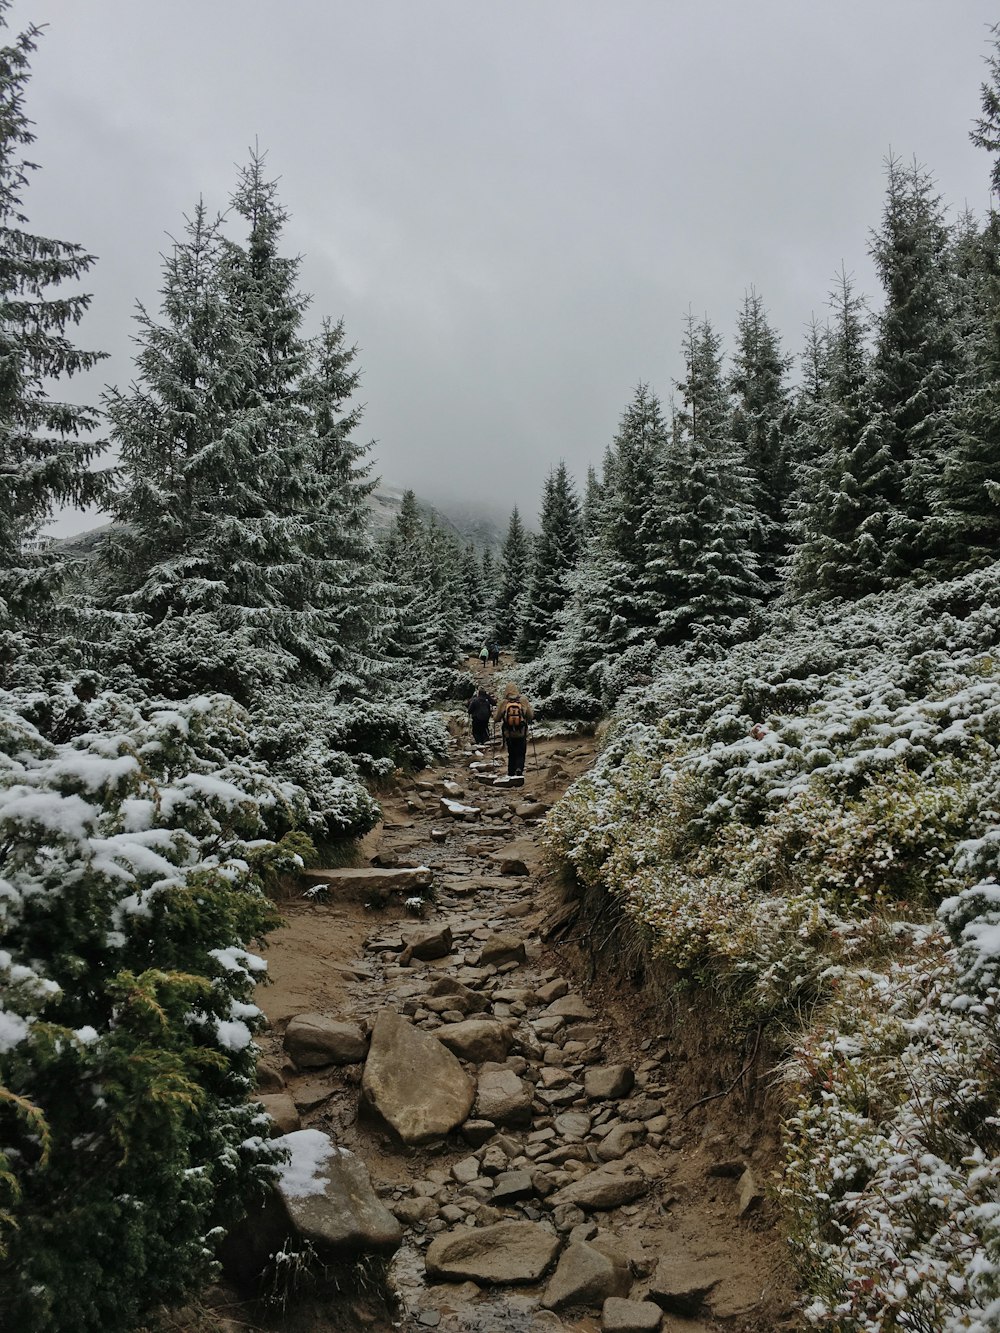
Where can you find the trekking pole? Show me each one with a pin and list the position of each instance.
(534, 751)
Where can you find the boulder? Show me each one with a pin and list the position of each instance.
(530, 809)
(470, 1001)
(603, 1188)
(502, 949)
(681, 1283)
(619, 1141)
(552, 990)
(608, 1082)
(313, 1040)
(512, 1185)
(476, 1039)
(355, 884)
(502, 1255)
(621, 1316)
(571, 1007)
(414, 1083)
(510, 865)
(751, 1194)
(503, 1098)
(282, 1111)
(428, 942)
(585, 1276)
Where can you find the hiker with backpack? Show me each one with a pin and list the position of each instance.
(514, 715)
(480, 708)
(484, 655)
(495, 654)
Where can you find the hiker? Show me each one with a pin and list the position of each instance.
(484, 655)
(514, 714)
(480, 710)
(495, 654)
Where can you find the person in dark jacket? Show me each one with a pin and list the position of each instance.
(480, 708)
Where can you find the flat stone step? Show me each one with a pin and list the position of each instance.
(359, 884)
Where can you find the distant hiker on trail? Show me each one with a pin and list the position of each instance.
(514, 714)
(480, 710)
(495, 654)
(484, 655)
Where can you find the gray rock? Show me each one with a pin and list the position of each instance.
(467, 999)
(503, 1098)
(503, 1254)
(751, 1194)
(681, 1284)
(412, 1211)
(502, 949)
(478, 1132)
(466, 1170)
(477, 1039)
(428, 942)
(573, 1125)
(571, 1007)
(621, 1316)
(585, 1276)
(341, 1215)
(619, 1141)
(552, 990)
(603, 1188)
(608, 1082)
(414, 1083)
(313, 1040)
(511, 866)
(512, 1185)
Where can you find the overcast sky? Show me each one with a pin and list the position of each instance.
(512, 204)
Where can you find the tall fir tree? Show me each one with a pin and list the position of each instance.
(761, 429)
(701, 569)
(916, 361)
(967, 493)
(555, 552)
(843, 522)
(47, 445)
(512, 592)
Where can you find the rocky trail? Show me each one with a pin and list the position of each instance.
(521, 1158)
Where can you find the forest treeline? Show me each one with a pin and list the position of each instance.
(225, 686)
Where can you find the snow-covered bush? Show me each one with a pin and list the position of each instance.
(398, 731)
(132, 859)
(788, 817)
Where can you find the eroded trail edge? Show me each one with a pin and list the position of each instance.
(523, 1126)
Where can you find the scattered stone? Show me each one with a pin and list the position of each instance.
(603, 1188)
(429, 942)
(585, 1276)
(571, 1007)
(552, 990)
(310, 1094)
(621, 1316)
(502, 949)
(476, 1039)
(414, 1083)
(457, 810)
(619, 1140)
(412, 1211)
(680, 1283)
(478, 1132)
(466, 1170)
(512, 1185)
(524, 908)
(503, 1098)
(512, 866)
(751, 1194)
(439, 835)
(282, 1112)
(503, 1254)
(573, 1125)
(269, 1076)
(453, 790)
(531, 809)
(313, 1040)
(608, 1082)
(465, 998)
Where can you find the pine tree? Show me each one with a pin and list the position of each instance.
(512, 594)
(844, 521)
(700, 564)
(46, 445)
(555, 552)
(590, 514)
(760, 429)
(916, 360)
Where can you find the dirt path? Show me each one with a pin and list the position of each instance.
(601, 1098)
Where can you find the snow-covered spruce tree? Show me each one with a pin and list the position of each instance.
(805, 439)
(916, 360)
(554, 554)
(760, 429)
(445, 603)
(842, 520)
(700, 566)
(967, 496)
(489, 582)
(512, 590)
(46, 445)
(591, 508)
(135, 853)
